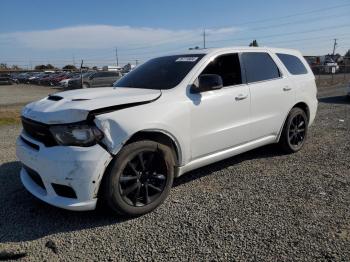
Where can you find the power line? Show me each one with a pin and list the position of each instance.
(185, 47)
(191, 34)
(309, 20)
(204, 34)
(293, 15)
(283, 34)
(306, 39)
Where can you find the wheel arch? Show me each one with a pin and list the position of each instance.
(304, 107)
(160, 136)
(301, 104)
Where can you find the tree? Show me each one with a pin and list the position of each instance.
(69, 67)
(3, 66)
(40, 67)
(49, 66)
(16, 67)
(254, 43)
(44, 67)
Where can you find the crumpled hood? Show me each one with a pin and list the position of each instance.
(74, 106)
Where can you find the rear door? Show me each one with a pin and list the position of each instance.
(271, 91)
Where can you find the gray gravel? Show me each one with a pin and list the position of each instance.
(22, 94)
(261, 205)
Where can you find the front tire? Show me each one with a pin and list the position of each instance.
(139, 179)
(294, 131)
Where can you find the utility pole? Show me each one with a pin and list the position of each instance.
(136, 61)
(81, 73)
(334, 46)
(116, 56)
(204, 35)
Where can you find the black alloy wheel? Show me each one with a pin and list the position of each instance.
(139, 179)
(143, 179)
(294, 131)
(297, 130)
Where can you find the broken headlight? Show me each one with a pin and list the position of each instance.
(76, 135)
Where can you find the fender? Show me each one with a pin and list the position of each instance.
(165, 132)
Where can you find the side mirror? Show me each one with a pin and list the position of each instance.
(207, 82)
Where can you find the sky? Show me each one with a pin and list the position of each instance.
(65, 32)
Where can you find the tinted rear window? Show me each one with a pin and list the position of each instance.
(160, 73)
(293, 64)
(259, 67)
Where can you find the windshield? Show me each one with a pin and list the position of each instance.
(160, 73)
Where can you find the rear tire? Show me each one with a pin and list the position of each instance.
(139, 179)
(294, 131)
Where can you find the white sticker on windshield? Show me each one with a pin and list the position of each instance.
(187, 59)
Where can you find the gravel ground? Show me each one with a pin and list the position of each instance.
(22, 94)
(261, 205)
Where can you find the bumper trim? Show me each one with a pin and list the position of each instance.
(61, 202)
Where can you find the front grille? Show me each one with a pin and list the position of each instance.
(35, 177)
(38, 131)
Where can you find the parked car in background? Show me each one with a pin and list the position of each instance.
(348, 91)
(32, 76)
(58, 78)
(75, 82)
(46, 80)
(95, 79)
(170, 115)
(23, 77)
(64, 82)
(37, 78)
(6, 79)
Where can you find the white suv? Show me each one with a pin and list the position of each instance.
(125, 144)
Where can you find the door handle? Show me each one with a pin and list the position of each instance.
(241, 97)
(287, 88)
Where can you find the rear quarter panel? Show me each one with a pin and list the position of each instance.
(306, 89)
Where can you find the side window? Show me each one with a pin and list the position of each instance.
(105, 74)
(293, 64)
(97, 75)
(259, 67)
(228, 67)
(114, 74)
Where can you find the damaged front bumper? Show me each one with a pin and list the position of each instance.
(64, 176)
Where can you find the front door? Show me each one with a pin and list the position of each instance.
(220, 118)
